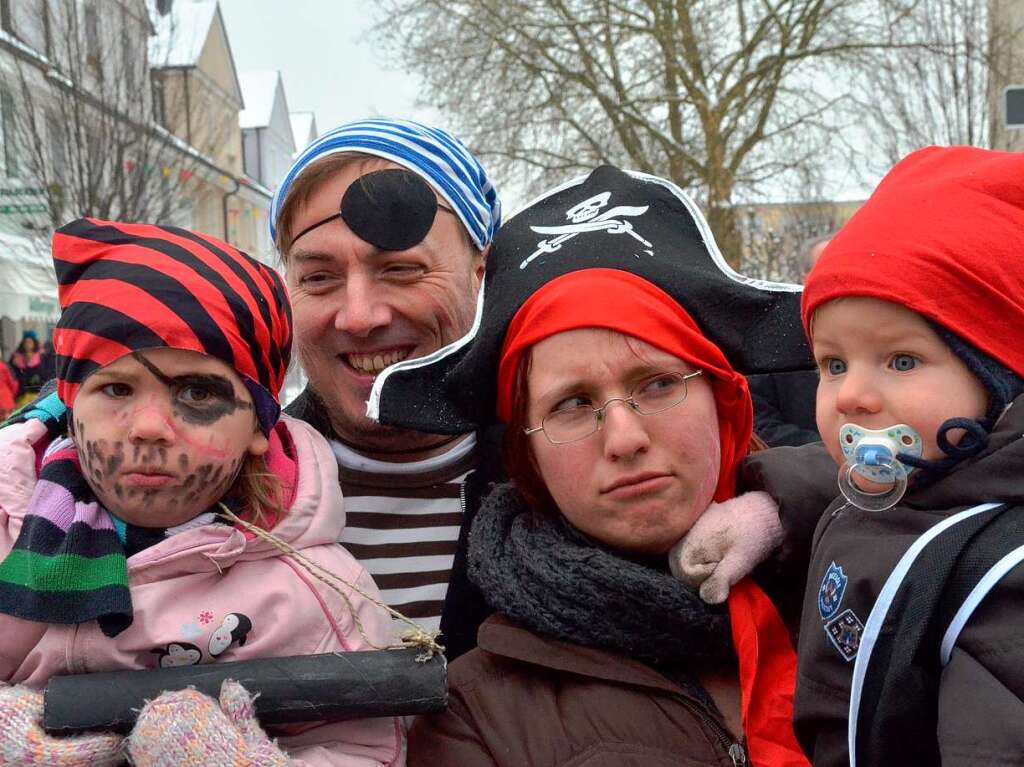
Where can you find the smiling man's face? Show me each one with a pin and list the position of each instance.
(358, 308)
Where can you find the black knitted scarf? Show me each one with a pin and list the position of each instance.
(542, 572)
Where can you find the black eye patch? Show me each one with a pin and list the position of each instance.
(392, 209)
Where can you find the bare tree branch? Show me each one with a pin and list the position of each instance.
(704, 92)
(731, 99)
(85, 127)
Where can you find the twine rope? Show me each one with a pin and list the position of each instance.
(414, 636)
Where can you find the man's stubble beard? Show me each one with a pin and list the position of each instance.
(376, 440)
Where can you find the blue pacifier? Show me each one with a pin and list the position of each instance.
(873, 454)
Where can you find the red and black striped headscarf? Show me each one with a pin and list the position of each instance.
(128, 287)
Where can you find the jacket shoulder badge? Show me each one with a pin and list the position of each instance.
(830, 595)
(845, 629)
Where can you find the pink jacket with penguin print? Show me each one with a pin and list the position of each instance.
(212, 593)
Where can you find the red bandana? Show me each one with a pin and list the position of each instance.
(942, 235)
(127, 287)
(620, 301)
(767, 677)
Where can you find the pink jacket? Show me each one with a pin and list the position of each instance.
(212, 593)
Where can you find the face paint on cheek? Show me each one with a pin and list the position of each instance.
(97, 466)
(114, 461)
(206, 449)
(211, 481)
(87, 454)
(228, 478)
(202, 475)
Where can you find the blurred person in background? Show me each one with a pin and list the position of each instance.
(27, 365)
(8, 390)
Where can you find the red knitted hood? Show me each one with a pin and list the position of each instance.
(943, 235)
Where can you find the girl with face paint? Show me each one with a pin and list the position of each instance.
(170, 353)
(163, 434)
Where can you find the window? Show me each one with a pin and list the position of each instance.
(10, 141)
(1014, 96)
(158, 100)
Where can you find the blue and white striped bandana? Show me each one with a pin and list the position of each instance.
(440, 158)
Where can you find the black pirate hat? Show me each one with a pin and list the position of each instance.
(610, 219)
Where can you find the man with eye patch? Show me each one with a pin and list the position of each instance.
(383, 226)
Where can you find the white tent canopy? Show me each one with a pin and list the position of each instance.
(28, 284)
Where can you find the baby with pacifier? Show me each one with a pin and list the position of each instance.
(910, 648)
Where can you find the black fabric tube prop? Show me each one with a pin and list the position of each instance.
(307, 688)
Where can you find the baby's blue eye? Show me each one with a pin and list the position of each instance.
(903, 362)
(835, 366)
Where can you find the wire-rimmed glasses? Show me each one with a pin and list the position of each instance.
(655, 394)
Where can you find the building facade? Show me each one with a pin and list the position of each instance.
(267, 142)
(124, 110)
(303, 129)
(199, 100)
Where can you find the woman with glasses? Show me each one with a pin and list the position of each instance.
(603, 345)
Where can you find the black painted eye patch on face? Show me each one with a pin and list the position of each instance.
(392, 209)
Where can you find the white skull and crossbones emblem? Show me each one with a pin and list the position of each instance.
(586, 216)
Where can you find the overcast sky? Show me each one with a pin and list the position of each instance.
(329, 66)
(321, 48)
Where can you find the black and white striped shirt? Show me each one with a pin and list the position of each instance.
(402, 522)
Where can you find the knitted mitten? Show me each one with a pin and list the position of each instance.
(726, 543)
(23, 742)
(187, 729)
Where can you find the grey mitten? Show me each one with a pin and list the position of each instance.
(726, 543)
